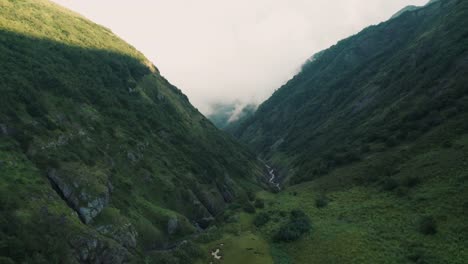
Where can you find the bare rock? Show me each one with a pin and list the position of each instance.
(3, 130)
(91, 249)
(125, 235)
(86, 203)
(172, 225)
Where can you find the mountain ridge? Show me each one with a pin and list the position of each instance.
(353, 54)
(369, 141)
(102, 158)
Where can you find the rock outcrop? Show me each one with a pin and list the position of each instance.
(92, 249)
(125, 235)
(80, 196)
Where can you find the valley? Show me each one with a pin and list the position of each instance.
(362, 157)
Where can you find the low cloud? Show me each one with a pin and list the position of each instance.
(219, 51)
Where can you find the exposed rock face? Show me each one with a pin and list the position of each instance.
(87, 204)
(205, 222)
(198, 210)
(90, 249)
(226, 189)
(172, 225)
(6, 131)
(125, 235)
(212, 200)
(3, 130)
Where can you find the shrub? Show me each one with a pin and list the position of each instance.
(447, 144)
(5, 260)
(148, 235)
(35, 109)
(251, 195)
(209, 235)
(416, 254)
(365, 148)
(427, 225)
(249, 208)
(283, 213)
(259, 203)
(390, 184)
(391, 142)
(261, 219)
(298, 225)
(401, 191)
(24, 140)
(188, 252)
(411, 181)
(321, 201)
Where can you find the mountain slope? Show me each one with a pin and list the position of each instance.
(101, 158)
(405, 9)
(385, 86)
(371, 142)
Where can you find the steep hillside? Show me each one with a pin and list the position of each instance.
(371, 142)
(384, 87)
(102, 160)
(405, 9)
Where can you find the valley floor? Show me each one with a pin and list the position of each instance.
(367, 223)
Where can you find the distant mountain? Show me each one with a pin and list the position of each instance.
(102, 160)
(224, 115)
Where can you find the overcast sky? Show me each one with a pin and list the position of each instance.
(222, 51)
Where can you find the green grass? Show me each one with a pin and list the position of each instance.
(375, 90)
(364, 224)
(245, 247)
(376, 126)
(78, 100)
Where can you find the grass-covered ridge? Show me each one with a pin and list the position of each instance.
(102, 159)
(370, 140)
(43, 19)
(385, 86)
(360, 213)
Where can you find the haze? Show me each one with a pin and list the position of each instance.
(219, 51)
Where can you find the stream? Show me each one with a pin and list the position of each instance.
(272, 175)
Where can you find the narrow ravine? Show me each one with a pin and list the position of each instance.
(272, 177)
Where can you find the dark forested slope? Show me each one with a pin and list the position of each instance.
(371, 142)
(386, 86)
(101, 158)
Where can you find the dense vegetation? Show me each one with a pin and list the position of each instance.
(384, 87)
(101, 159)
(297, 226)
(372, 139)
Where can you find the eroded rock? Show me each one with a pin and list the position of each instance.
(125, 235)
(92, 249)
(87, 199)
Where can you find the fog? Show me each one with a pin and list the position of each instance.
(219, 51)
